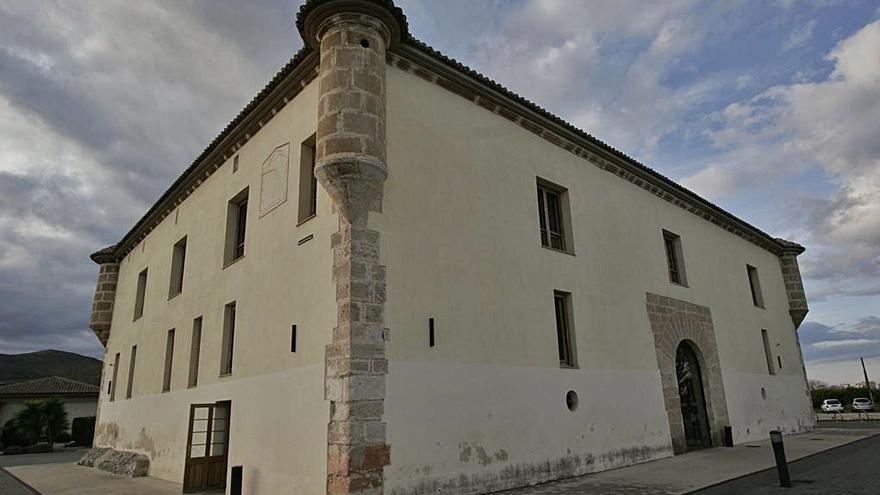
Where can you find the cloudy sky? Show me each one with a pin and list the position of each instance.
(771, 110)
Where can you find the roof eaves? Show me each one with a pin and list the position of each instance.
(645, 171)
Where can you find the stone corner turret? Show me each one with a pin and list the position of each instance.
(794, 285)
(105, 293)
(352, 37)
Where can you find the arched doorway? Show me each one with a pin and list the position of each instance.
(692, 396)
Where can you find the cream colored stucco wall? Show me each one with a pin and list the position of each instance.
(460, 238)
(279, 416)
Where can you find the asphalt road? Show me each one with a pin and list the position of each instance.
(851, 469)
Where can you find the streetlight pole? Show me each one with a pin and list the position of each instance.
(867, 383)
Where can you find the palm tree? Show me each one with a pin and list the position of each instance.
(56, 418)
(42, 419)
(31, 421)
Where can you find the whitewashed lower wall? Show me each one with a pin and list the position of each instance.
(786, 407)
(278, 429)
(462, 429)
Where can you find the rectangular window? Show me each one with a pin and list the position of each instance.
(169, 360)
(128, 391)
(140, 294)
(194, 350)
(236, 226)
(228, 346)
(564, 332)
(553, 215)
(768, 353)
(178, 261)
(755, 284)
(674, 258)
(308, 184)
(113, 379)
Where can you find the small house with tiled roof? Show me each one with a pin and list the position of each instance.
(80, 399)
(390, 274)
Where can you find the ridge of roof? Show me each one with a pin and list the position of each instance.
(410, 41)
(49, 385)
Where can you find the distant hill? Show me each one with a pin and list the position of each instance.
(21, 367)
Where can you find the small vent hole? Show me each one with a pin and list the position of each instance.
(365, 43)
(571, 400)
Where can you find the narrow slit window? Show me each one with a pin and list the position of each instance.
(228, 345)
(140, 295)
(115, 374)
(292, 338)
(308, 184)
(755, 284)
(768, 353)
(674, 258)
(178, 263)
(551, 216)
(194, 351)
(564, 332)
(236, 227)
(131, 364)
(169, 360)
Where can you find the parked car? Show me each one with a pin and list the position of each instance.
(832, 406)
(862, 405)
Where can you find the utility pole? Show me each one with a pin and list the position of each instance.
(867, 383)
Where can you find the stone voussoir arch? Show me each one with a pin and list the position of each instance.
(674, 321)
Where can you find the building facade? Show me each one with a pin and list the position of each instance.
(391, 275)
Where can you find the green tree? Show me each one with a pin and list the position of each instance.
(56, 418)
(41, 420)
(31, 421)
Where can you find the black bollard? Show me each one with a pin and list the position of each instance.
(235, 488)
(781, 463)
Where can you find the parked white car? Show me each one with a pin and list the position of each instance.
(832, 406)
(862, 405)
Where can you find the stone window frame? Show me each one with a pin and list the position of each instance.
(545, 191)
(755, 286)
(675, 266)
(566, 341)
(114, 377)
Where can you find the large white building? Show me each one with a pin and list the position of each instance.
(389, 274)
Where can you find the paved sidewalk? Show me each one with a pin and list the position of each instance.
(851, 469)
(70, 479)
(696, 470)
(11, 486)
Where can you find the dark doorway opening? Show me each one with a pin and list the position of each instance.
(207, 447)
(693, 400)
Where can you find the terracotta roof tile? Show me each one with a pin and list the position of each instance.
(51, 385)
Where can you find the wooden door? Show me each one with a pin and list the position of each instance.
(207, 447)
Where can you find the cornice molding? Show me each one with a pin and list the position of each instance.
(420, 60)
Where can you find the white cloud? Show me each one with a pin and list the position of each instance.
(789, 130)
(800, 36)
(829, 344)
